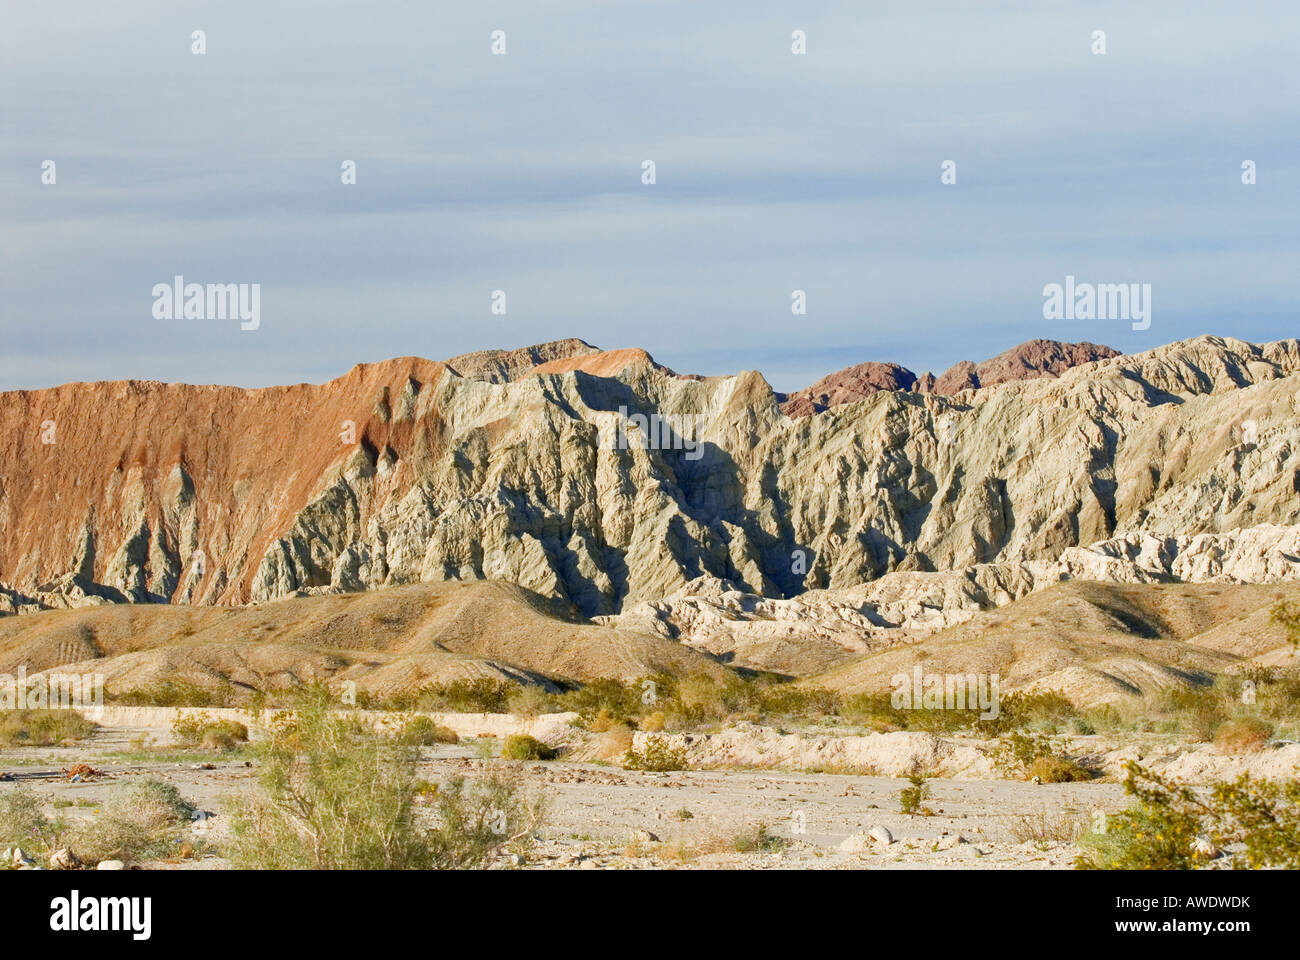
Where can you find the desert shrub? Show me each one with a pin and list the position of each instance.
(604, 720)
(615, 701)
(23, 824)
(1057, 769)
(911, 799)
(1288, 617)
(758, 839)
(193, 729)
(257, 704)
(875, 710)
(1198, 710)
(699, 700)
(613, 744)
(1014, 753)
(788, 700)
(481, 695)
(1108, 717)
(41, 728)
(1043, 828)
(1035, 755)
(1161, 830)
(217, 740)
(145, 821)
(177, 693)
(654, 723)
(336, 795)
(1243, 735)
(423, 732)
(1277, 693)
(530, 700)
(520, 746)
(658, 756)
(1050, 711)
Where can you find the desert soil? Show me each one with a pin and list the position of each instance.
(600, 816)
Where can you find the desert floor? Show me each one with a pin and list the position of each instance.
(600, 816)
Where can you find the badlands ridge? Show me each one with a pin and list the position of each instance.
(1083, 497)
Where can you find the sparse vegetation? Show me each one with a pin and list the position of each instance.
(657, 757)
(481, 695)
(178, 693)
(144, 821)
(912, 799)
(338, 796)
(1043, 828)
(1173, 826)
(758, 839)
(42, 728)
(1245, 735)
(423, 732)
(1036, 756)
(23, 824)
(1057, 769)
(523, 747)
(1288, 616)
(200, 729)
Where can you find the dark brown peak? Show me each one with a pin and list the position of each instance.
(1027, 361)
(847, 385)
(963, 375)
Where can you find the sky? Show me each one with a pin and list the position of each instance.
(522, 172)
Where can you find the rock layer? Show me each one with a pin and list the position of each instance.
(407, 471)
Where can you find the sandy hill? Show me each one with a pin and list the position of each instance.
(388, 641)
(1095, 642)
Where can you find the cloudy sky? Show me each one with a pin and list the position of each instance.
(522, 172)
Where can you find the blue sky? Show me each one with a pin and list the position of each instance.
(523, 173)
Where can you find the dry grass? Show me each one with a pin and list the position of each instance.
(1246, 735)
(146, 821)
(1043, 827)
(42, 728)
(1053, 769)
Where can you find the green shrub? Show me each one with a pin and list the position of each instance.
(658, 757)
(481, 695)
(178, 693)
(1160, 831)
(912, 799)
(530, 700)
(1288, 617)
(423, 732)
(145, 821)
(195, 729)
(1056, 769)
(335, 795)
(520, 746)
(1198, 710)
(23, 824)
(758, 839)
(42, 728)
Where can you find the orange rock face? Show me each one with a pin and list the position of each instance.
(167, 469)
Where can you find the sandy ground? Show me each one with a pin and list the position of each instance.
(600, 816)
